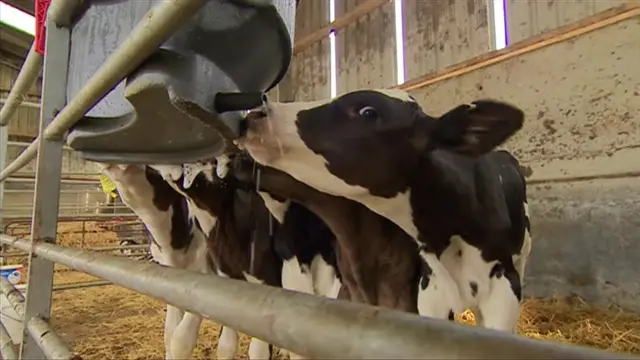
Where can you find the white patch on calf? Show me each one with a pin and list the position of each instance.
(207, 221)
(441, 295)
(191, 171)
(492, 296)
(325, 280)
(277, 208)
(222, 166)
(295, 278)
(520, 260)
(169, 172)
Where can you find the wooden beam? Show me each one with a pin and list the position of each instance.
(563, 33)
(343, 21)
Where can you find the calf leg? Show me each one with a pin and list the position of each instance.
(259, 349)
(185, 336)
(295, 278)
(438, 294)
(227, 343)
(501, 308)
(172, 320)
(520, 260)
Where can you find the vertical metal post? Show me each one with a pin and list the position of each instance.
(4, 140)
(47, 185)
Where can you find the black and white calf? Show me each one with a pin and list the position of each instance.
(220, 204)
(176, 242)
(436, 178)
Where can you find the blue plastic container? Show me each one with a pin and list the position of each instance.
(13, 273)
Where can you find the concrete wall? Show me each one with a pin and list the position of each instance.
(580, 145)
(26, 121)
(526, 18)
(71, 163)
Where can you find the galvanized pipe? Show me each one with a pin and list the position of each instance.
(61, 11)
(13, 295)
(77, 192)
(26, 78)
(69, 207)
(155, 27)
(96, 216)
(53, 346)
(27, 104)
(98, 249)
(316, 327)
(7, 350)
(63, 181)
(81, 285)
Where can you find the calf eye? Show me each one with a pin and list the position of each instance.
(368, 113)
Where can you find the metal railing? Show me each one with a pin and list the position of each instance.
(308, 325)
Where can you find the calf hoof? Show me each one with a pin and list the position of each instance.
(294, 356)
(259, 350)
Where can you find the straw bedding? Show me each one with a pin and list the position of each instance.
(110, 322)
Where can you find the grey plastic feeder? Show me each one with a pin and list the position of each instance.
(176, 107)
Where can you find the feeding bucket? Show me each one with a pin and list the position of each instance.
(166, 111)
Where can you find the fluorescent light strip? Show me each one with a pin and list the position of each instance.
(332, 44)
(399, 42)
(17, 19)
(499, 24)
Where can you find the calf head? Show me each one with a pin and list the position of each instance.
(370, 141)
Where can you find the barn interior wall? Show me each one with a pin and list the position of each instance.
(366, 49)
(309, 73)
(26, 120)
(527, 18)
(579, 148)
(441, 33)
(72, 164)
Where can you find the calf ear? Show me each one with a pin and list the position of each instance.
(477, 128)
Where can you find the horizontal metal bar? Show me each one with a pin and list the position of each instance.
(99, 249)
(27, 104)
(25, 80)
(53, 346)
(154, 28)
(306, 324)
(64, 181)
(8, 351)
(78, 192)
(13, 295)
(81, 285)
(91, 216)
(25, 144)
(61, 208)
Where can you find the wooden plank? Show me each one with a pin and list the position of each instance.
(595, 22)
